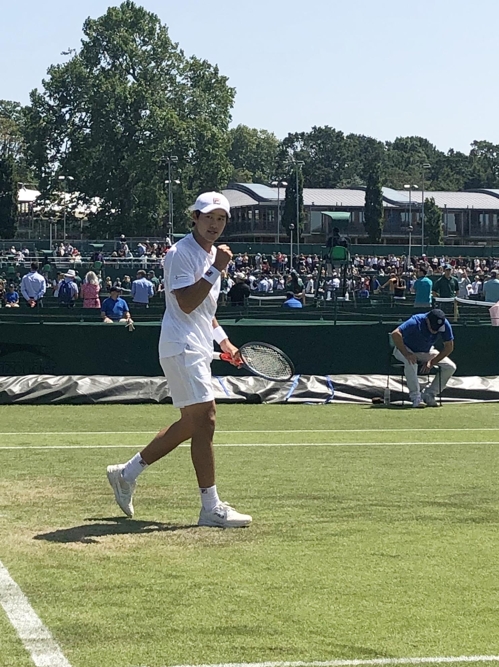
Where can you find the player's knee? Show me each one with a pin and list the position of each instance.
(203, 416)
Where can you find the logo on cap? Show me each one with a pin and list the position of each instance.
(216, 200)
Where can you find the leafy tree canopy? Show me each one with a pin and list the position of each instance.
(112, 113)
(254, 153)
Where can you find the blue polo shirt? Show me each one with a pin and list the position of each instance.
(417, 336)
(115, 310)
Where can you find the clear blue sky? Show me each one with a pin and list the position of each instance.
(383, 68)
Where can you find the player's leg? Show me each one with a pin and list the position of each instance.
(447, 370)
(411, 377)
(123, 476)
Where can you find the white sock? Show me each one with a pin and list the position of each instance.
(209, 498)
(133, 468)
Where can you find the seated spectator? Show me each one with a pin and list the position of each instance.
(12, 297)
(240, 291)
(89, 291)
(114, 308)
(292, 301)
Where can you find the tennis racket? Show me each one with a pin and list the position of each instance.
(263, 360)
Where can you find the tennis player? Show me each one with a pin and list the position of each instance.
(192, 270)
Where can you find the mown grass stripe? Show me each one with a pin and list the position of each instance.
(37, 640)
(315, 430)
(270, 444)
(361, 663)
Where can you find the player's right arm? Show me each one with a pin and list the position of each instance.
(189, 298)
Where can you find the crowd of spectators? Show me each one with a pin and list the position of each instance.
(364, 276)
(261, 274)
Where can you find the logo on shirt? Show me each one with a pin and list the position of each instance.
(209, 272)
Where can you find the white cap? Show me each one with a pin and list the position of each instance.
(211, 201)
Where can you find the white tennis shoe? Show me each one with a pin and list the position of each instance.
(123, 490)
(223, 516)
(430, 399)
(417, 402)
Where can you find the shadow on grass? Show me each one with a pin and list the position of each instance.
(87, 533)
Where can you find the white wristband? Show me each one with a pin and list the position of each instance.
(212, 275)
(219, 334)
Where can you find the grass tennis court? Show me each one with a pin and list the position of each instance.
(375, 535)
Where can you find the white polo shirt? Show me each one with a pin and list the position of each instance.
(184, 264)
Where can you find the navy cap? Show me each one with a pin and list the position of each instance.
(436, 319)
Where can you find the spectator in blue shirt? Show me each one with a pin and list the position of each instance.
(422, 290)
(142, 290)
(12, 297)
(491, 288)
(292, 301)
(414, 340)
(114, 308)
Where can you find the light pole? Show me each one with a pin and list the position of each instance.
(64, 178)
(423, 167)
(170, 159)
(279, 184)
(410, 188)
(298, 165)
(291, 227)
(409, 253)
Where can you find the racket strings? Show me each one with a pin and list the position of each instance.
(267, 361)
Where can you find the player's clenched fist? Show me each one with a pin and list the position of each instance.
(224, 255)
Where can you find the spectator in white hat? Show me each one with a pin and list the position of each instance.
(67, 290)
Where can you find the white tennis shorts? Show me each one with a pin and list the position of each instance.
(189, 377)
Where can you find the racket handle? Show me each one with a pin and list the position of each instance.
(222, 356)
(225, 356)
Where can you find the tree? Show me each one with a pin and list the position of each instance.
(323, 152)
(253, 152)
(373, 208)
(112, 113)
(8, 198)
(484, 165)
(433, 219)
(289, 209)
(405, 158)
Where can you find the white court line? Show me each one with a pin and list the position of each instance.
(315, 430)
(270, 444)
(37, 640)
(360, 663)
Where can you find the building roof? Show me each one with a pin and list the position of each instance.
(459, 200)
(237, 198)
(244, 194)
